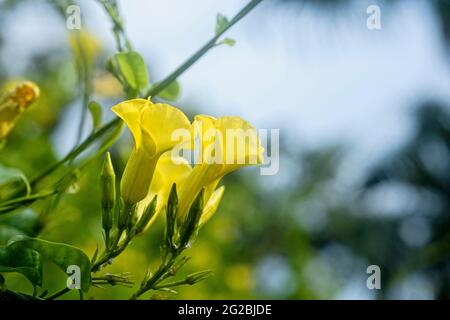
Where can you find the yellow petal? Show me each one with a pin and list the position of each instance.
(202, 125)
(212, 205)
(242, 145)
(137, 176)
(228, 142)
(201, 176)
(152, 126)
(160, 121)
(167, 173)
(130, 112)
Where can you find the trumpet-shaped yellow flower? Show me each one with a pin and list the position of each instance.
(226, 144)
(13, 103)
(152, 126)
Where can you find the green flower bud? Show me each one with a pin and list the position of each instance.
(127, 216)
(108, 189)
(171, 216)
(191, 223)
(198, 276)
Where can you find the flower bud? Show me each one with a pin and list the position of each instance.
(191, 223)
(171, 215)
(108, 190)
(198, 276)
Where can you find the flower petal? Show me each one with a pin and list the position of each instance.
(228, 142)
(212, 205)
(160, 121)
(130, 112)
(168, 171)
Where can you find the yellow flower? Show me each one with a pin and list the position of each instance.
(107, 86)
(85, 47)
(13, 103)
(152, 126)
(226, 144)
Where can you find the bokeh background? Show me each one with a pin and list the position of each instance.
(364, 123)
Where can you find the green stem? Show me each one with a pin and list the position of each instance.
(116, 248)
(170, 284)
(110, 254)
(78, 150)
(200, 52)
(86, 85)
(58, 294)
(150, 284)
(118, 29)
(159, 275)
(17, 202)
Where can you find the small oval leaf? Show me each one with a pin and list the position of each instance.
(96, 113)
(171, 92)
(221, 23)
(133, 69)
(11, 175)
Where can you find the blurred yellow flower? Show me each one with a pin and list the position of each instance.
(152, 126)
(13, 103)
(85, 47)
(107, 86)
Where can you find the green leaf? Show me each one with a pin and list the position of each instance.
(96, 113)
(11, 175)
(22, 260)
(228, 41)
(171, 92)
(7, 232)
(221, 23)
(60, 254)
(24, 222)
(111, 65)
(133, 69)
